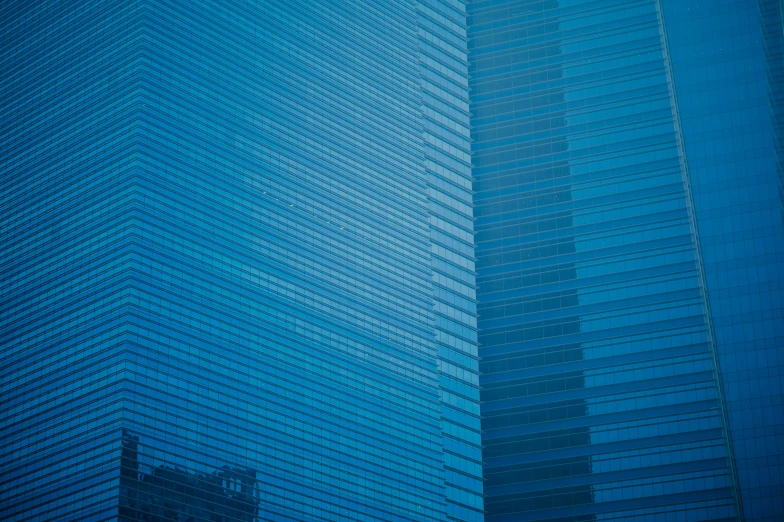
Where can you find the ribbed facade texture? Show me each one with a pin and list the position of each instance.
(630, 258)
(237, 262)
(444, 68)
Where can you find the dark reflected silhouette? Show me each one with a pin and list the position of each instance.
(168, 493)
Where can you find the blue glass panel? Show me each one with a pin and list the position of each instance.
(237, 271)
(727, 69)
(600, 394)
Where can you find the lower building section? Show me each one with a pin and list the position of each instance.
(153, 489)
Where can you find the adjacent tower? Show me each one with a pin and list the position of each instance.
(237, 272)
(629, 255)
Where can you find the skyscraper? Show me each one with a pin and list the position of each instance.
(237, 262)
(630, 258)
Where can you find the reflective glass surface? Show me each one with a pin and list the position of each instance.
(629, 258)
(237, 262)
(728, 69)
(444, 68)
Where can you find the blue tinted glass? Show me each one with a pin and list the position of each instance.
(599, 289)
(237, 263)
(629, 246)
(728, 72)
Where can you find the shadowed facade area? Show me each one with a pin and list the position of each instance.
(627, 173)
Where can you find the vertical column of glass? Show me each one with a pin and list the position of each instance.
(69, 106)
(727, 73)
(447, 148)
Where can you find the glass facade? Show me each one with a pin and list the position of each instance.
(444, 80)
(629, 244)
(237, 262)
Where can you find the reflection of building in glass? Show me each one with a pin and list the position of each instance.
(629, 245)
(170, 493)
(242, 232)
